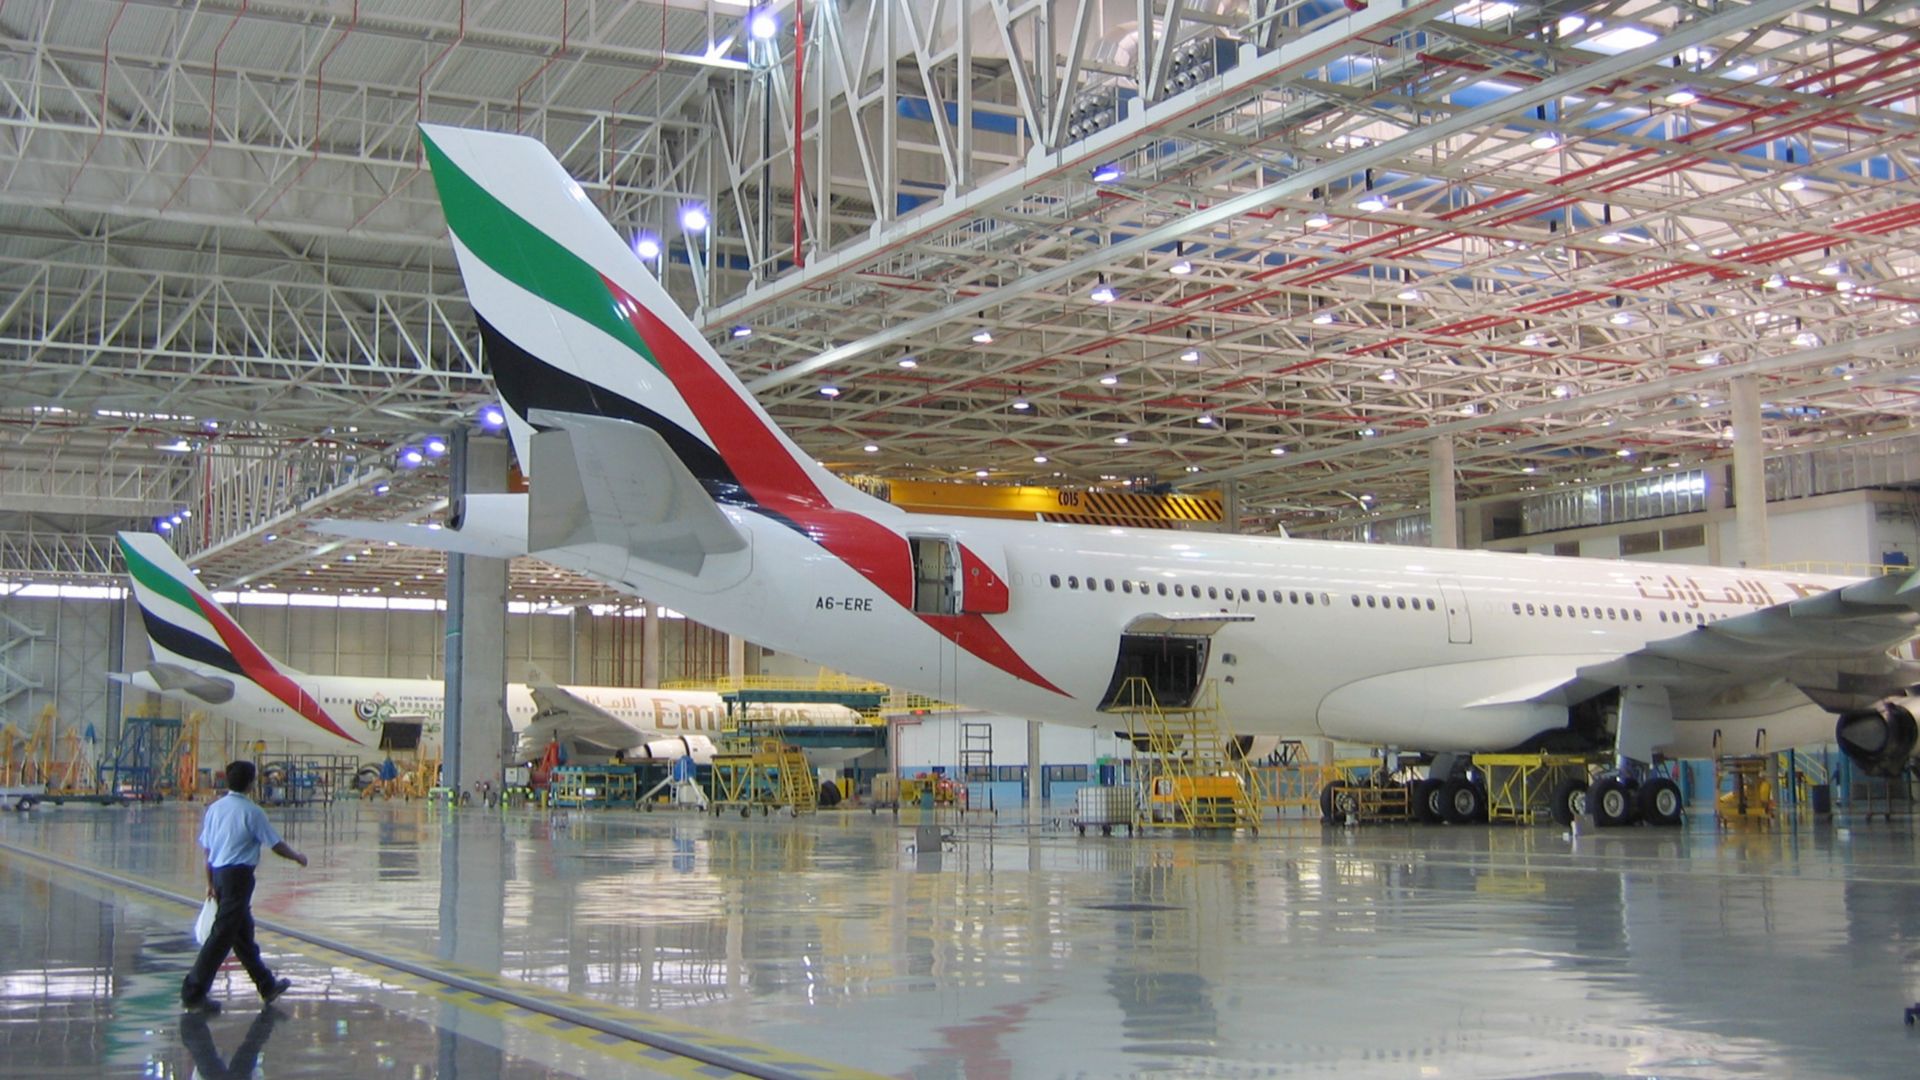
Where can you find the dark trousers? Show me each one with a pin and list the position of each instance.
(232, 932)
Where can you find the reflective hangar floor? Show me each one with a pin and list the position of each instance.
(478, 945)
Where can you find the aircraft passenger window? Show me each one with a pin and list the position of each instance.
(1126, 586)
(1262, 594)
(1055, 578)
(1109, 584)
(1325, 600)
(1356, 599)
(1294, 598)
(1072, 582)
(1583, 612)
(1370, 600)
(1609, 614)
(1636, 614)
(1213, 593)
(1162, 587)
(1556, 611)
(1516, 607)
(1179, 590)
(1246, 596)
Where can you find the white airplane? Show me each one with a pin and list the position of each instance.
(655, 470)
(203, 658)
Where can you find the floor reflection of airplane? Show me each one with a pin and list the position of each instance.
(203, 658)
(653, 468)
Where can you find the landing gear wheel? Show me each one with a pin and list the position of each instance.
(1660, 802)
(1611, 802)
(1427, 808)
(1569, 800)
(1463, 802)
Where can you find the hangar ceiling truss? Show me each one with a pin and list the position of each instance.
(1547, 232)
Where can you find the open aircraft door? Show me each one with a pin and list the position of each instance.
(1459, 620)
(950, 578)
(1170, 652)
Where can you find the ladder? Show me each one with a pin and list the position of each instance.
(1184, 775)
(794, 778)
(976, 762)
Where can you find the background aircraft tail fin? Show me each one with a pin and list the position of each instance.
(186, 625)
(574, 323)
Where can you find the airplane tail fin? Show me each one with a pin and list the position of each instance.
(573, 323)
(182, 618)
(193, 635)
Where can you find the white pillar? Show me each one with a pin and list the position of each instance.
(1230, 507)
(1033, 774)
(736, 657)
(1749, 475)
(477, 737)
(650, 646)
(1442, 511)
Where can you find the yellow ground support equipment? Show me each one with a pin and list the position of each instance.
(1294, 783)
(1184, 777)
(593, 787)
(1521, 787)
(1363, 791)
(1744, 789)
(763, 773)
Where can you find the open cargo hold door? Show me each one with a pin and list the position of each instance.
(1169, 652)
(950, 578)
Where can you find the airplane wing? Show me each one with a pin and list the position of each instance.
(1834, 646)
(563, 716)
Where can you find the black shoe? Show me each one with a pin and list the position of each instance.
(272, 993)
(202, 1007)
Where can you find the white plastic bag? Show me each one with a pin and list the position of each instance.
(203, 926)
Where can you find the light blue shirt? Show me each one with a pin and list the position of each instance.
(234, 831)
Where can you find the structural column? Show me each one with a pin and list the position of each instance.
(1442, 511)
(1749, 475)
(1230, 506)
(736, 657)
(1033, 774)
(477, 736)
(650, 646)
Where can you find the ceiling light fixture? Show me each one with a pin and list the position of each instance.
(871, 448)
(1409, 293)
(1774, 281)
(1102, 292)
(1682, 96)
(1039, 459)
(1324, 318)
(647, 246)
(1107, 172)
(1707, 359)
(908, 363)
(1278, 451)
(693, 218)
(830, 391)
(983, 337)
(1121, 440)
(1794, 183)
(1191, 355)
(1110, 379)
(1318, 220)
(1182, 266)
(743, 330)
(1546, 140)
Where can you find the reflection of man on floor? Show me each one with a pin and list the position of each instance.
(206, 1056)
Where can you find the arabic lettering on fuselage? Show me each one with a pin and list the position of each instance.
(1691, 594)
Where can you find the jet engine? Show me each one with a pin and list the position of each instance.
(1881, 739)
(697, 747)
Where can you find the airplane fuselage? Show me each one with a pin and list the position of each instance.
(1363, 643)
(359, 706)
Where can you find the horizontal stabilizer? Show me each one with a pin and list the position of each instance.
(618, 484)
(174, 678)
(494, 526)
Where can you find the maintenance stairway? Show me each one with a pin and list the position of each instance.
(1184, 775)
(764, 773)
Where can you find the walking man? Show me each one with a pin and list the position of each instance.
(233, 832)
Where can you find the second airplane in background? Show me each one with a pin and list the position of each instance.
(203, 658)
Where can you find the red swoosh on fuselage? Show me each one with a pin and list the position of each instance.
(261, 670)
(780, 486)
